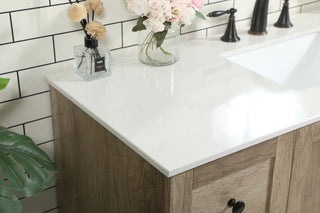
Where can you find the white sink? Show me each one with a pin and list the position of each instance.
(294, 63)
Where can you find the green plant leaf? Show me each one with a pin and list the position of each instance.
(24, 164)
(3, 83)
(160, 36)
(5, 185)
(167, 25)
(17, 177)
(140, 26)
(9, 203)
(200, 15)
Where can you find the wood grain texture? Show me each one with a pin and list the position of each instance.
(301, 170)
(181, 192)
(97, 172)
(313, 204)
(251, 185)
(234, 162)
(282, 173)
(305, 182)
(316, 131)
(63, 131)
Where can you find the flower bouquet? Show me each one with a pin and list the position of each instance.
(91, 60)
(164, 19)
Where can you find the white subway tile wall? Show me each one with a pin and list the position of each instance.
(37, 37)
(5, 31)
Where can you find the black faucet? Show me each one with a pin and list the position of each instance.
(231, 32)
(284, 19)
(259, 18)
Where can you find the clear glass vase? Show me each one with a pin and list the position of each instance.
(92, 60)
(166, 54)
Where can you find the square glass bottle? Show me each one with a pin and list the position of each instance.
(92, 60)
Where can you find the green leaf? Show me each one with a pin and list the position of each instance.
(3, 83)
(5, 185)
(200, 15)
(24, 164)
(140, 26)
(9, 203)
(167, 25)
(160, 36)
(23, 184)
(182, 25)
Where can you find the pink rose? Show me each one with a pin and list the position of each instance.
(197, 4)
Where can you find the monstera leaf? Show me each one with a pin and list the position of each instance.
(25, 169)
(3, 83)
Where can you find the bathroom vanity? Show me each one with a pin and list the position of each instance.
(98, 173)
(188, 137)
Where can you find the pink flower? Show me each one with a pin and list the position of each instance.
(197, 4)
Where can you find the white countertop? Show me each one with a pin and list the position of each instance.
(202, 108)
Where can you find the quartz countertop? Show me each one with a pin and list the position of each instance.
(202, 108)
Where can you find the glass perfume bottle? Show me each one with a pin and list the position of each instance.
(92, 60)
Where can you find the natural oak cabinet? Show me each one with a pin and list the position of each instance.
(99, 173)
(304, 195)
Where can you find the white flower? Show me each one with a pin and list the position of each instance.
(138, 7)
(182, 11)
(160, 11)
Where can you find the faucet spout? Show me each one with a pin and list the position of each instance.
(259, 18)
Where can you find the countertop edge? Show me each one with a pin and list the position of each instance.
(113, 131)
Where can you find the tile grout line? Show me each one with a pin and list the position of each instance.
(45, 142)
(11, 25)
(39, 119)
(34, 94)
(55, 34)
(51, 187)
(33, 8)
(18, 81)
(48, 211)
(24, 129)
(26, 96)
(54, 50)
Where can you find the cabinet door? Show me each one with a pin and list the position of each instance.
(304, 195)
(258, 175)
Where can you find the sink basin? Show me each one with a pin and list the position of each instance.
(293, 63)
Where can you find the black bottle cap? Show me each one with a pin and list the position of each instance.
(90, 42)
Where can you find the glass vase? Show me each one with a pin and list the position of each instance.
(165, 54)
(92, 60)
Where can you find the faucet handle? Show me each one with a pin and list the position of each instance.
(218, 13)
(231, 32)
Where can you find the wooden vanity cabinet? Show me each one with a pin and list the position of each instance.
(304, 194)
(254, 175)
(98, 173)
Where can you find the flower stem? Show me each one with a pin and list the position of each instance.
(165, 52)
(147, 48)
(146, 41)
(150, 41)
